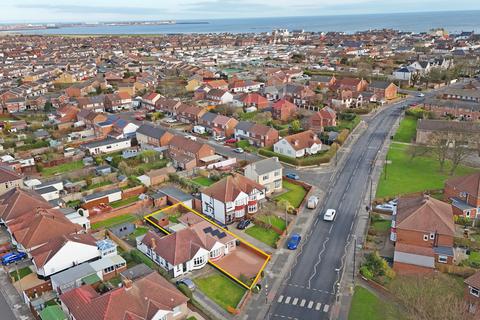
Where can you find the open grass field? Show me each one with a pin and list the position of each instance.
(222, 290)
(365, 306)
(404, 175)
(407, 130)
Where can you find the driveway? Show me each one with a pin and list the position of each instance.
(242, 260)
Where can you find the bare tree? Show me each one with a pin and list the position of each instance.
(440, 148)
(417, 150)
(435, 297)
(458, 151)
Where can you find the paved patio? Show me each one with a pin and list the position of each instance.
(242, 260)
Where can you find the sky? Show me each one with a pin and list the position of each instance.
(127, 10)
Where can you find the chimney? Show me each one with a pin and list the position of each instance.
(127, 284)
(296, 142)
(153, 244)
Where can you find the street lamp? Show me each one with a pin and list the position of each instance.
(354, 257)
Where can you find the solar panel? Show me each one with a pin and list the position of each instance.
(215, 233)
(207, 230)
(222, 235)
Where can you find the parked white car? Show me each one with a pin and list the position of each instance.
(170, 120)
(219, 138)
(193, 138)
(330, 215)
(312, 202)
(386, 207)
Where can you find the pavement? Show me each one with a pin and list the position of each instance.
(309, 285)
(12, 307)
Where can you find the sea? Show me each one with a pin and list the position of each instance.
(453, 22)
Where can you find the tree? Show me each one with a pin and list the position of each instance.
(417, 150)
(435, 297)
(459, 150)
(296, 126)
(440, 148)
(48, 107)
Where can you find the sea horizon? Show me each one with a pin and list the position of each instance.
(452, 21)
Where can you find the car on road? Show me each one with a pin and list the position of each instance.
(187, 282)
(292, 176)
(421, 95)
(218, 138)
(294, 241)
(13, 257)
(231, 141)
(193, 138)
(312, 202)
(238, 150)
(243, 224)
(330, 215)
(170, 120)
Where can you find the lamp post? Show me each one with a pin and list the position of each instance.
(354, 257)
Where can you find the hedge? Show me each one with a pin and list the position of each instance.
(343, 135)
(307, 161)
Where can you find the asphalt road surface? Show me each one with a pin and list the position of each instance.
(5, 311)
(310, 288)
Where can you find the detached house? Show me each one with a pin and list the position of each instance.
(423, 231)
(299, 145)
(9, 180)
(219, 96)
(232, 198)
(283, 110)
(187, 154)
(472, 294)
(253, 100)
(218, 125)
(383, 90)
(267, 172)
(256, 134)
(464, 193)
(148, 298)
(149, 136)
(326, 117)
(188, 249)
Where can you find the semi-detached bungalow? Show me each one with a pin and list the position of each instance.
(299, 145)
(107, 145)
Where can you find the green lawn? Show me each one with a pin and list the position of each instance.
(365, 306)
(474, 258)
(267, 236)
(139, 231)
(98, 185)
(123, 202)
(273, 220)
(204, 181)
(222, 290)
(407, 130)
(295, 194)
(381, 226)
(113, 221)
(23, 272)
(62, 168)
(406, 176)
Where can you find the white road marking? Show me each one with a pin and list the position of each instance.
(302, 303)
(310, 305)
(294, 302)
(280, 299)
(318, 306)
(287, 300)
(325, 308)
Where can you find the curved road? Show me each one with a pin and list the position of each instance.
(310, 288)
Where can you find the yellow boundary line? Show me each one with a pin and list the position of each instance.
(266, 255)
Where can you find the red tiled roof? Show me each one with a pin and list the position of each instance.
(144, 299)
(228, 189)
(425, 214)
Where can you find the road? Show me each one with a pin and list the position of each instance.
(5, 310)
(310, 288)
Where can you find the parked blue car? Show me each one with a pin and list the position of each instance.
(294, 241)
(13, 257)
(292, 176)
